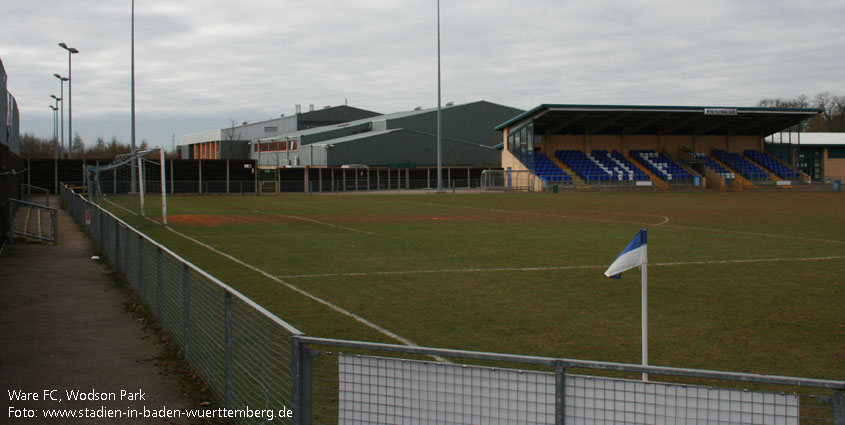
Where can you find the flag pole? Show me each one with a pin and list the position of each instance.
(644, 278)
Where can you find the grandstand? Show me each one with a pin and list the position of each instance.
(664, 143)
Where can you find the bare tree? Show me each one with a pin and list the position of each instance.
(832, 119)
(230, 133)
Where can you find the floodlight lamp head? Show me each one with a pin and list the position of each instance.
(69, 49)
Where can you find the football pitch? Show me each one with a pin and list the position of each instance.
(747, 282)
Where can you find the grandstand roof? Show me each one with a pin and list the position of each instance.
(808, 139)
(618, 119)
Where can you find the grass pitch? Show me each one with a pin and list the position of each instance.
(748, 282)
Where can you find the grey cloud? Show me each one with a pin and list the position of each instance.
(201, 61)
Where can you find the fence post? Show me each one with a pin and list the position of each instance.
(228, 350)
(839, 408)
(300, 386)
(186, 311)
(560, 393)
(160, 297)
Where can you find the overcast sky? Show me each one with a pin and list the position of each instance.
(202, 63)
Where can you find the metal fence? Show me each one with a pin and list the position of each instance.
(240, 349)
(32, 221)
(490, 388)
(253, 359)
(35, 194)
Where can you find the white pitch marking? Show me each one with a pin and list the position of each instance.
(497, 269)
(756, 260)
(302, 292)
(665, 218)
(315, 221)
(334, 307)
(533, 269)
(771, 235)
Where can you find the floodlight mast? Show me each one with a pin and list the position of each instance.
(132, 139)
(55, 138)
(70, 52)
(56, 150)
(439, 138)
(61, 99)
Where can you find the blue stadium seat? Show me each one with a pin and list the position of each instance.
(544, 167)
(662, 166)
(740, 164)
(771, 164)
(715, 166)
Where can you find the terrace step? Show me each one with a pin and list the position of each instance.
(745, 182)
(657, 181)
(576, 179)
(772, 176)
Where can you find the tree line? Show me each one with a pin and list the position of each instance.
(34, 147)
(832, 120)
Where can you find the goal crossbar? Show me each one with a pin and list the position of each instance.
(133, 164)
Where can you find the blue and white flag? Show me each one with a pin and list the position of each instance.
(632, 256)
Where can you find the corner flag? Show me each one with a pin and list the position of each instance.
(634, 255)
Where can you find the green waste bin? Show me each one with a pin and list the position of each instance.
(554, 188)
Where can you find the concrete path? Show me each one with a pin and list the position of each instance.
(63, 327)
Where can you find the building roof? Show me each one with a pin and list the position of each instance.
(353, 137)
(807, 139)
(649, 119)
(384, 117)
(310, 119)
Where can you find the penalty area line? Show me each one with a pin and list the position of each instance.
(315, 221)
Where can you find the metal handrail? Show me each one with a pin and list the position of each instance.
(586, 364)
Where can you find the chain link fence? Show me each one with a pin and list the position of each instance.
(252, 359)
(240, 349)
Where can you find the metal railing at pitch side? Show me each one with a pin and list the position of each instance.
(387, 386)
(252, 358)
(239, 348)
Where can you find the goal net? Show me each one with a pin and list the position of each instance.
(133, 182)
(507, 180)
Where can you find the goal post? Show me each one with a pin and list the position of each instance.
(507, 180)
(134, 182)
